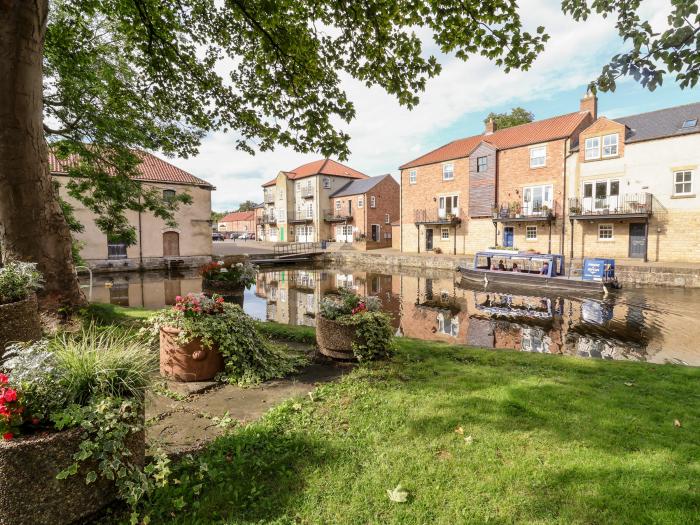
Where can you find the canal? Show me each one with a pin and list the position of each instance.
(660, 325)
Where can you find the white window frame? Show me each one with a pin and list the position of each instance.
(607, 226)
(445, 234)
(546, 189)
(338, 204)
(594, 149)
(442, 204)
(534, 157)
(683, 183)
(387, 218)
(412, 177)
(529, 229)
(448, 171)
(373, 201)
(310, 211)
(326, 183)
(360, 202)
(615, 145)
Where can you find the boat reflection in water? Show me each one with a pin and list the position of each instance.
(645, 324)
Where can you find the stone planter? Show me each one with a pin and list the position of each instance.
(334, 339)
(29, 491)
(191, 362)
(19, 321)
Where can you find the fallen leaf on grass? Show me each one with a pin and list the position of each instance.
(629, 384)
(397, 495)
(469, 440)
(677, 423)
(459, 430)
(444, 455)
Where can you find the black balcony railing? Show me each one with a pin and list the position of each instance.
(631, 204)
(437, 216)
(337, 215)
(307, 192)
(267, 218)
(524, 211)
(300, 216)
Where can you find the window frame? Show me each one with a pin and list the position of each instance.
(123, 254)
(360, 202)
(444, 234)
(544, 157)
(597, 148)
(451, 171)
(528, 229)
(171, 194)
(616, 145)
(412, 177)
(326, 183)
(338, 204)
(606, 225)
(479, 167)
(372, 201)
(387, 218)
(683, 183)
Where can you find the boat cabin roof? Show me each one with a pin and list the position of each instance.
(543, 257)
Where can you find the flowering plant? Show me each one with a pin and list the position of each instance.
(18, 280)
(195, 304)
(232, 274)
(11, 409)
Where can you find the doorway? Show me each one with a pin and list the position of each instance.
(171, 244)
(508, 236)
(375, 232)
(429, 239)
(638, 241)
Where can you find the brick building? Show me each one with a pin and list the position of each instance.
(238, 222)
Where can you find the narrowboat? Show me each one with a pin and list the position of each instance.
(542, 271)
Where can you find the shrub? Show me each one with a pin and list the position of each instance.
(18, 280)
(248, 356)
(236, 274)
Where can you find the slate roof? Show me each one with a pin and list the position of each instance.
(553, 128)
(152, 169)
(237, 216)
(662, 123)
(320, 167)
(358, 187)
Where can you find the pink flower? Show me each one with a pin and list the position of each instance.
(178, 298)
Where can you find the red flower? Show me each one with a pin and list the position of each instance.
(3, 379)
(7, 436)
(9, 395)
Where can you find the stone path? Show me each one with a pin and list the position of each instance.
(182, 417)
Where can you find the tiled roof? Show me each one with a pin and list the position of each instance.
(152, 169)
(321, 167)
(238, 216)
(662, 123)
(358, 187)
(553, 128)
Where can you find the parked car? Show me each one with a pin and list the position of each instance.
(216, 236)
(233, 235)
(244, 236)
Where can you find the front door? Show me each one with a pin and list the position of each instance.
(375, 232)
(508, 236)
(638, 241)
(171, 244)
(282, 233)
(429, 239)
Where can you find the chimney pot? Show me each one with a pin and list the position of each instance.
(490, 127)
(589, 103)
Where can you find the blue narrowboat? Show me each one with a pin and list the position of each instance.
(543, 271)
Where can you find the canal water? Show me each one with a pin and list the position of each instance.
(660, 325)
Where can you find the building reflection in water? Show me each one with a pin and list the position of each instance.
(435, 305)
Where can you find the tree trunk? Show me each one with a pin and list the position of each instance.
(32, 226)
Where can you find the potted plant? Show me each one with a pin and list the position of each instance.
(228, 279)
(574, 210)
(204, 338)
(351, 327)
(19, 314)
(72, 424)
(437, 250)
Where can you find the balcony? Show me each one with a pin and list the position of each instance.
(437, 216)
(629, 206)
(267, 218)
(341, 215)
(526, 212)
(269, 198)
(307, 192)
(300, 217)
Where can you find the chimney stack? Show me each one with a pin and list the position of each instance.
(490, 127)
(590, 103)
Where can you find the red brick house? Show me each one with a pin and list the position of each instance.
(238, 222)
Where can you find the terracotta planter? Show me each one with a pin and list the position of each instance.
(29, 491)
(19, 321)
(191, 362)
(334, 339)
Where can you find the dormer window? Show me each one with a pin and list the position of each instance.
(610, 145)
(593, 148)
(690, 123)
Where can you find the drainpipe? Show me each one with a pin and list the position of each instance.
(567, 154)
(418, 236)
(140, 240)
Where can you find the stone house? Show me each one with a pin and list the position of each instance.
(362, 211)
(238, 222)
(157, 245)
(503, 187)
(633, 187)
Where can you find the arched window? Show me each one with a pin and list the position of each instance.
(168, 194)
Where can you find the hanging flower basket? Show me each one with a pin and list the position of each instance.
(187, 362)
(30, 493)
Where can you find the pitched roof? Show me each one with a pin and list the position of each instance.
(321, 167)
(662, 123)
(558, 127)
(238, 216)
(356, 187)
(152, 169)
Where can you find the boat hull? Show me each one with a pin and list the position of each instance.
(499, 279)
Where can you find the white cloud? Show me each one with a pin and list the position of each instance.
(384, 134)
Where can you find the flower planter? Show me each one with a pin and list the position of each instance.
(19, 321)
(191, 362)
(231, 292)
(334, 339)
(29, 491)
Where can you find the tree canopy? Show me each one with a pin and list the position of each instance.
(247, 206)
(516, 117)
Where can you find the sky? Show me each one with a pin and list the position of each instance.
(385, 135)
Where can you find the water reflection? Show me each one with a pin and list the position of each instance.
(645, 324)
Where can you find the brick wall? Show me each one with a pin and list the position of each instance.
(387, 196)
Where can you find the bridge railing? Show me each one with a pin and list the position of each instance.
(294, 248)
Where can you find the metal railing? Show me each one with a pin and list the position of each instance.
(437, 216)
(294, 248)
(337, 215)
(627, 204)
(267, 218)
(517, 210)
(307, 192)
(269, 198)
(300, 216)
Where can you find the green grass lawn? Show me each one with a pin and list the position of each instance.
(541, 439)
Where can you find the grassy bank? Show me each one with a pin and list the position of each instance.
(473, 436)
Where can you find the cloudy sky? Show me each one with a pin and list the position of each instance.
(385, 135)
